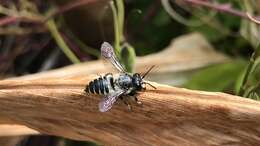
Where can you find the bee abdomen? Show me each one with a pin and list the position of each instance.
(98, 86)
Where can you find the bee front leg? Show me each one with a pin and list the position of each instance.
(137, 101)
(133, 96)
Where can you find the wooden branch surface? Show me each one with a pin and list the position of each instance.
(169, 116)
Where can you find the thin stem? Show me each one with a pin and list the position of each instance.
(252, 18)
(226, 8)
(246, 76)
(68, 7)
(120, 15)
(60, 42)
(8, 20)
(251, 90)
(116, 29)
(83, 46)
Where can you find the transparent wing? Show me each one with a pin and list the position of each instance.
(107, 52)
(107, 103)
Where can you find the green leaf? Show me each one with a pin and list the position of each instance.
(120, 17)
(239, 82)
(128, 57)
(253, 92)
(250, 77)
(256, 70)
(216, 77)
(116, 28)
(257, 50)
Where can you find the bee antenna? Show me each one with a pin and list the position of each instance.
(150, 85)
(148, 71)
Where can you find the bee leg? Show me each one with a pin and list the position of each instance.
(137, 101)
(133, 95)
(126, 103)
(129, 107)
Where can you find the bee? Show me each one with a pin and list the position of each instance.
(122, 85)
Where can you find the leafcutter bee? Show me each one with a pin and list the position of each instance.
(113, 86)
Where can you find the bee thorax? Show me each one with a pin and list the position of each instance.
(124, 81)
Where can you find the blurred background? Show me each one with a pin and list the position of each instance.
(210, 45)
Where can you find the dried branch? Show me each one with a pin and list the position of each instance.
(15, 130)
(169, 116)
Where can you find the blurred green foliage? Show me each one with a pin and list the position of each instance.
(220, 77)
(142, 27)
(152, 28)
(128, 57)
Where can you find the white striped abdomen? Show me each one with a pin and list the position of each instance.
(102, 85)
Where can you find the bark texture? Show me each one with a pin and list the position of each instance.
(169, 116)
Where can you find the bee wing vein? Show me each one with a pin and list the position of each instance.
(107, 51)
(107, 103)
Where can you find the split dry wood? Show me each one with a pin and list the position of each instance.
(15, 130)
(169, 116)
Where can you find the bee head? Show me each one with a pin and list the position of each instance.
(138, 82)
(141, 82)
